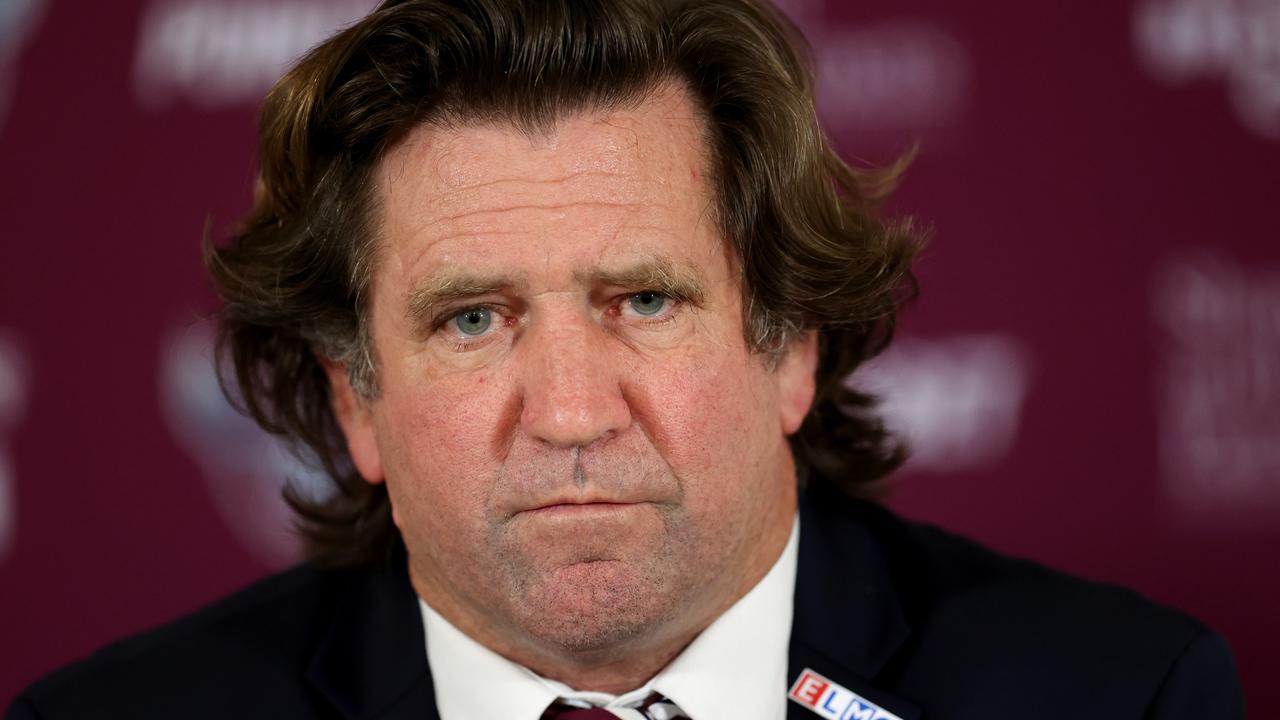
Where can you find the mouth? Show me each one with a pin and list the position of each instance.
(574, 506)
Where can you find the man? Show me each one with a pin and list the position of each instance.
(563, 294)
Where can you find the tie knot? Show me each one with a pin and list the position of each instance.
(654, 707)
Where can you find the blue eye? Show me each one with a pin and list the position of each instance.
(473, 321)
(647, 302)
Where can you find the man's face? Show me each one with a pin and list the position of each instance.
(582, 454)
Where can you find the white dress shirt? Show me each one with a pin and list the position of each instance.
(736, 668)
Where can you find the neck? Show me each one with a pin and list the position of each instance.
(616, 669)
(614, 674)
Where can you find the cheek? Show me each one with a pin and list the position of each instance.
(711, 419)
(439, 440)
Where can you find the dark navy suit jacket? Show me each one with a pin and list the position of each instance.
(920, 622)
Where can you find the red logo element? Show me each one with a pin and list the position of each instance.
(809, 688)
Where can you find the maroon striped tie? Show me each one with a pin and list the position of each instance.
(561, 711)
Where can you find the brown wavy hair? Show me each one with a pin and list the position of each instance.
(814, 251)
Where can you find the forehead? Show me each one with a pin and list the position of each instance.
(600, 178)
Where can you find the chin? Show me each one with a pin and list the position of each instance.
(595, 607)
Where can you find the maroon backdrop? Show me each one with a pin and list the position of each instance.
(1090, 378)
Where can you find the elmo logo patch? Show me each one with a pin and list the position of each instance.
(832, 701)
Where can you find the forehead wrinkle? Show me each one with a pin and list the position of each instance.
(477, 226)
(489, 223)
(538, 206)
(560, 154)
(456, 165)
(585, 187)
(550, 180)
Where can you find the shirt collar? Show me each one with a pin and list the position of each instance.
(737, 667)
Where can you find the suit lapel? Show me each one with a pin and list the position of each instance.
(848, 621)
(372, 661)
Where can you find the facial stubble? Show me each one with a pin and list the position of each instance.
(593, 597)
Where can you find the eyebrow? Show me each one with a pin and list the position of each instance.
(426, 301)
(660, 275)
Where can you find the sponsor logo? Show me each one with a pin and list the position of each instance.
(244, 469)
(1218, 385)
(957, 401)
(1236, 40)
(901, 75)
(218, 53)
(833, 701)
(897, 75)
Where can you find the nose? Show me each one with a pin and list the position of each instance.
(572, 392)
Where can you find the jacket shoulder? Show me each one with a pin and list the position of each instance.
(239, 657)
(943, 576)
(1010, 630)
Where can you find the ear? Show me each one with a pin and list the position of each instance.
(356, 420)
(794, 375)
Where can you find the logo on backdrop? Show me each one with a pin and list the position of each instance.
(14, 381)
(1236, 40)
(18, 20)
(896, 75)
(957, 401)
(217, 53)
(244, 469)
(1218, 392)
